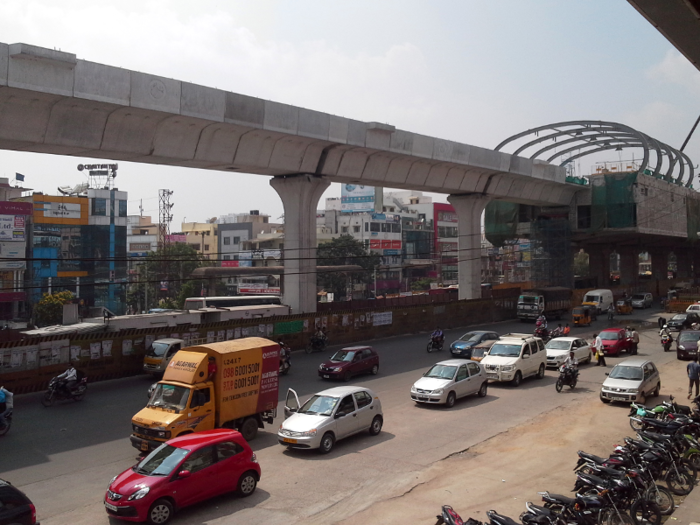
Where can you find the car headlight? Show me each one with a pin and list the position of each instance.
(139, 493)
(165, 434)
(438, 391)
(681, 347)
(508, 368)
(308, 433)
(320, 367)
(337, 368)
(112, 481)
(413, 389)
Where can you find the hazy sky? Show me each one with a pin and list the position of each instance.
(473, 71)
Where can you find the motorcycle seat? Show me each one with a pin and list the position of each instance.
(539, 510)
(499, 519)
(594, 480)
(592, 457)
(613, 473)
(565, 500)
(637, 443)
(653, 436)
(683, 409)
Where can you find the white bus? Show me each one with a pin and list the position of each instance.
(195, 303)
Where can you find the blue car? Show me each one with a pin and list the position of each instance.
(462, 347)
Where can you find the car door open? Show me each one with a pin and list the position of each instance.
(291, 405)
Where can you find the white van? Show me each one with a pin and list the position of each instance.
(600, 299)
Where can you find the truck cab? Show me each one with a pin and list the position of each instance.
(159, 355)
(530, 305)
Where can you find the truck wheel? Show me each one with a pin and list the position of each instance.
(249, 429)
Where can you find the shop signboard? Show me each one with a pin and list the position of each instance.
(356, 197)
(12, 228)
(12, 255)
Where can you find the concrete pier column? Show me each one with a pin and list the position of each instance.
(300, 195)
(695, 258)
(469, 209)
(629, 267)
(659, 263)
(683, 263)
(599, 264)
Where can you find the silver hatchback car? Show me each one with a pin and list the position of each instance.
(328, 416)
(631, 380)
(448, 380)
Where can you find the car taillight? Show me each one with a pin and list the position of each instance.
(254, 458)
(31, 506)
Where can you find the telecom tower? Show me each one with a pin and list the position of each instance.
(164, 207)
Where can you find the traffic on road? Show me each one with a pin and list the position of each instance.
(393, 402)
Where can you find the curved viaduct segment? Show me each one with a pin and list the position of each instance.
(50, 102)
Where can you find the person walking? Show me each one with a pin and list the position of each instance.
(598, 345)
(635, 341)
(693, 377)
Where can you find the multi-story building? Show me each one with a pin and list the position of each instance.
(14, 223)
(79, 244)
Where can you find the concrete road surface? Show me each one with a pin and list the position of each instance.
(64, 456)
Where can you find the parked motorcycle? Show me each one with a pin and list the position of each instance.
(285, 359)
(4, 429)
(568, 376)
(435, 343)
(316, 344)
(58, 392)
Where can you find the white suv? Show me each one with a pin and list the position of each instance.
(514, 357)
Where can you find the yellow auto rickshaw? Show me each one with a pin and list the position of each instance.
(624, 306)
(582, 316)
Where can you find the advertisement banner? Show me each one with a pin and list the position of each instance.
(386, 244)
(356, 198)
(261, 289)
(229, 264)
(12, 255)
(11, 228)
(375, 244)
(396, 245)
(62, 210)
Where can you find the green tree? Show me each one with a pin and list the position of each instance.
(581, 267)
(341, 251)
(49, 310)
(422, 284)
(173, 265)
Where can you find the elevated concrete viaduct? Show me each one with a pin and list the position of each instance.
(51, 102)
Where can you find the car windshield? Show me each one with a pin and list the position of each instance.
(162, 461)
(441, 372)
(632, 373)
(637, 297)
(558, 344)
(343, 355)
(169, 396)
(679, 317)
(689, 337)
(591, 299)
(157, 349)
(527, 299)
(319, 405)
(609, 336)
(472, 337)
(479, 352)
(505, 350)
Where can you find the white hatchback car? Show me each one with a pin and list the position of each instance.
(693, 308)
(328, 416)
(448, 380)
(558, 350)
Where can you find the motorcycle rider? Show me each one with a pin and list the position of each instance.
(567, 329)
(285, 354)
(570, 361)
(558, 331)
(67, 380)
(541, 322)
(665, 332)
(6, 405)
(437, 336)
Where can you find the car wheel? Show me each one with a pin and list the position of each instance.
(450, 401)
(540, 372)
(604, 400)
(249, 429)
(327, 442)
(246, 484)
(375, 370)
(657, 390)
(160, 512)
(517, 379)
(484, 389)
(376, 426)
(347, 376)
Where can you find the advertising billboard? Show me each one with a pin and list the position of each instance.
(356, 197)
(12, 227)
(12, 255)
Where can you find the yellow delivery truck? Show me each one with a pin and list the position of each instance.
(232, 384)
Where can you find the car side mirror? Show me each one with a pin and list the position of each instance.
(339, 414)
(526, 356)
(607, 373)
(183, 474)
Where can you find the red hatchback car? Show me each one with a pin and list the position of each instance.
(183, 471)
(349, 362)
(615, 341)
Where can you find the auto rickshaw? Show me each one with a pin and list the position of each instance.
(582, 315)
(624, 306)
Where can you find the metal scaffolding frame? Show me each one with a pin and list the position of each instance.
(552, 258)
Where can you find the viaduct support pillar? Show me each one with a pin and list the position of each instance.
(683, 263)
(629, 268)
(659, 264)
(695, 258)
(300, 195)
(599, 264)
(469, 209)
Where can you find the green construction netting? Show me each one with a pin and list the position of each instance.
(501, 222)
(692, 207)
(612, 201)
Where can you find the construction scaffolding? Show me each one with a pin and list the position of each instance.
(552, 259)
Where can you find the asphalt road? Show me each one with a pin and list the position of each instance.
(64, 456)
